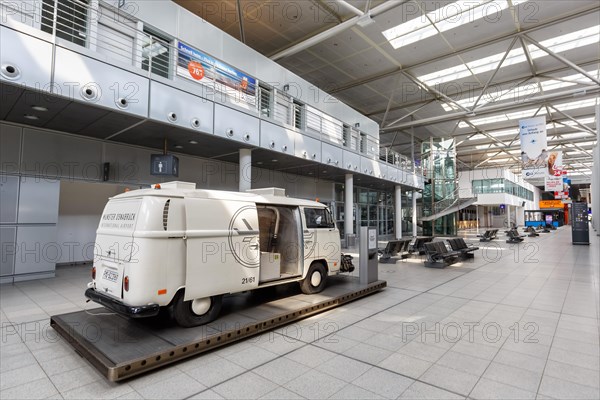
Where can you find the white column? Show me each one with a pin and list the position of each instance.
(398, 212)
(349, 205)
(414, 212)
(508, 215)
(245, 179)
(477, 217)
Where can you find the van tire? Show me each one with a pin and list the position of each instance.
(185, 316)
(315, 280)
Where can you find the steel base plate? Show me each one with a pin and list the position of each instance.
(121, 348)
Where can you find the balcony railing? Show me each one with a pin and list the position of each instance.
(116, 35)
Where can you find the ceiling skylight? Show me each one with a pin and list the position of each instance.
(444, 19)
(557, 44)
(520, 92)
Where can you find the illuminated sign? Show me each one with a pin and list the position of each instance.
(551, 204)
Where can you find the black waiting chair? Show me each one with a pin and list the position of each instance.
(459, 244)
(393, 249)
(438, 255)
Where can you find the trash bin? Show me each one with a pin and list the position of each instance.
(350, 240)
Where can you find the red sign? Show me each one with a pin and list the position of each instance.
(196, 70)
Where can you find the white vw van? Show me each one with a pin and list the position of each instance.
(178, 247)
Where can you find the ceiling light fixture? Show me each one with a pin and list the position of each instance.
(39, 108)
(32, 117)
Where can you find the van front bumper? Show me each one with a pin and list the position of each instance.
(149, 310)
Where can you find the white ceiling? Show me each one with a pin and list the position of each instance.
(360, 67)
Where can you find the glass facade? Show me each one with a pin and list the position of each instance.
(501, 185)
(372, 208)
(441, 192)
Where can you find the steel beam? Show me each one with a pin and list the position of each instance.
(562, 59)
(487, 84)
(520, 80)
(319, 37)
(494, 108)
(463, 50)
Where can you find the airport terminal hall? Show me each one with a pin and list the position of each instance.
(300, 199)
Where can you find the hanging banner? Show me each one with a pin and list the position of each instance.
(554, 172)
(534, 141)
(564, 190)
(219, 77)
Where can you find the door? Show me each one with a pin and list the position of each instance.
(309, 236)
(223, 251)
(321, 237)
(115, 244)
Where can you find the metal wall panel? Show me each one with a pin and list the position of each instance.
(55, 156)
(38, 201)
(351, 161)
(8, 235)
(392, 173)
(180, 108)
(240, 56)
(236, 125)
(80, 78)
(159, 15)
(130, 165)
(307, 148)
(30, 59)
(369, 167)
(9, 198)
(332, 155)
(276, 138)
(10, 148)
(197, 37)
(403, 176)
(37, 250)
(383, 171)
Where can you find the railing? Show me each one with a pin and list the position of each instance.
(109, 31)
(449, 200)
(401, 161)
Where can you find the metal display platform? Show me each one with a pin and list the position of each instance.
(121, 348)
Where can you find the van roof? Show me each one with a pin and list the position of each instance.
(220, 195)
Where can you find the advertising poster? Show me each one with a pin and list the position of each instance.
(534, 156)
(564, 190)
(554, 172)
(196, 66)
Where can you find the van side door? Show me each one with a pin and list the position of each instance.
(326, 245)
(309, 235)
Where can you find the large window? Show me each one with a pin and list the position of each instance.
(318, 218)
(483, 186)
(265, 102)
(156, 54)
(71, 19)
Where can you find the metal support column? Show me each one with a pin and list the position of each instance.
(398, 212)
(245, 180)
(349, 205)
(414, 212)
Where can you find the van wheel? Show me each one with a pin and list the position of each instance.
(315, 280)
(198, 311)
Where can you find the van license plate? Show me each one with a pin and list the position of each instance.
(110, 275)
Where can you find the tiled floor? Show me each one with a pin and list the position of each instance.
(518, 322)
